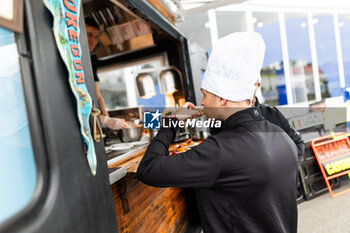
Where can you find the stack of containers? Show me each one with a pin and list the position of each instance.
(137, 33)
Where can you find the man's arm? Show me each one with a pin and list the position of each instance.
(112, 123)
(100, 101)
(198, 167)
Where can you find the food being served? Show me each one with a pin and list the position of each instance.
(181, 148)
(190, 142)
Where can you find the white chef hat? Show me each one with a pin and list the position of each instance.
(234, 66)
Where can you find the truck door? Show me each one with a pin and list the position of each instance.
(52, 174)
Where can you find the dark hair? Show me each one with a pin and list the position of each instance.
(90, 22)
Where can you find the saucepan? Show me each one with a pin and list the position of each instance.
(131, 133)
(197, 133)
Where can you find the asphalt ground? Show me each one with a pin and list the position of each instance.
(325, 214)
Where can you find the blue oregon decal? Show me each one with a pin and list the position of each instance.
(66, 31)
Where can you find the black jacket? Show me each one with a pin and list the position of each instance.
(273, 115)
(244, 176)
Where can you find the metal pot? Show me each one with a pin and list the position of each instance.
(181, 134)
(199, 133)
(131, 134)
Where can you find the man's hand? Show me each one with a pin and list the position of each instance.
(113, 123)
(188, 105)
(186, 111)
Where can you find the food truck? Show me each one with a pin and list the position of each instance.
(67, 173)
(67, 178)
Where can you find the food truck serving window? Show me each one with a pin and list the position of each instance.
(18, 169)
(118, 82)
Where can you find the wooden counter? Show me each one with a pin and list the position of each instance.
(141, 208)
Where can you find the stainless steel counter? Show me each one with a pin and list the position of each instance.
(118, 173)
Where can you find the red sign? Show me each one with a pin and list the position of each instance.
(333, 157)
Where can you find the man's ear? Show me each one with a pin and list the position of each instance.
(222, 102)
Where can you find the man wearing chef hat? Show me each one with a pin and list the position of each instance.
(244, 176)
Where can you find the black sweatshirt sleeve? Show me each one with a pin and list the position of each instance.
(198, 167)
